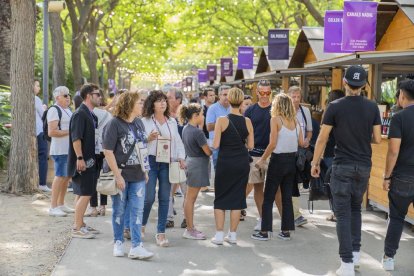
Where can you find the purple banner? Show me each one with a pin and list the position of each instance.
(359, 26)
(226, 68)
(333, 32)
(212, 72)
(202, 76)
(278, 42)
(112, 85)
(245, 57)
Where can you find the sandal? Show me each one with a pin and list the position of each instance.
(331, 217)
(162, 243)
(242, 215)
(92, 212)
(170, 224)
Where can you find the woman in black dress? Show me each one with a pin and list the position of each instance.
(233, 135)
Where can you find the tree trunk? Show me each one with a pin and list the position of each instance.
(313, 11)
(92, 54)
(77, 59)
(5, 37)
(56, 32)
(23, 168)
(111, 69)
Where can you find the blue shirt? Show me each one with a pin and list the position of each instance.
(260, 118)
(213, 113)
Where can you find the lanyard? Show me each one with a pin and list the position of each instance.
(159, 130)
(64, 110)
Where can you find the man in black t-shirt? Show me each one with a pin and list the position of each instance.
(399, 171)
(355, 122)
(82, 163)
(210, 98)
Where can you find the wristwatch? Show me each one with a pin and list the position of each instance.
(80, 158)
(387, 178)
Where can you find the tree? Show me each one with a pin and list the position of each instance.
(5, 42)
(58, 74)
(23, 168)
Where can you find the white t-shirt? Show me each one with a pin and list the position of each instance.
(39, 113)
(305, 125)
(59, 145)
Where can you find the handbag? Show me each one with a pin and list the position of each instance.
(319, 188)
(176, 174)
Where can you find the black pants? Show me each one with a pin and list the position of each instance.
(281, 171)
(401, 195)
(42, 153)
(348, 185)
(94, 198)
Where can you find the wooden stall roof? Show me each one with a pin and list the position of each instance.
(225, 79)
(310, 42)
(266, 65)
(246, 74)
(407, 6)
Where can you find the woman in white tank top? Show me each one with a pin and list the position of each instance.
(285, 136)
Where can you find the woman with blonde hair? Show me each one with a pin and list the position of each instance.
(233, 135)
(285, 136)
(121, 137)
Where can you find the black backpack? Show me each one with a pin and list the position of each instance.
(45, 125)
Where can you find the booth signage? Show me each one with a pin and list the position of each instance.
(226, 68)
(333, 32)
(245, 57)
(212, 72)
(359, 26)
(278, 44)
(202, 76)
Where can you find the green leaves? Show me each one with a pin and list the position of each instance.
(5, 118)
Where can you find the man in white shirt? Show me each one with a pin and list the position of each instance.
(58, 130)
(304, 118)
(41, 140)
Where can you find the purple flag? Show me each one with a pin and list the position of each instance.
(226, 67)
(202, 76)
(278, 42)
(359, 26)
(189, 81)
(245, 58)
(112, 85)
(333, 32)
(212, 72)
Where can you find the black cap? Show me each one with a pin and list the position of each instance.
(356, 76)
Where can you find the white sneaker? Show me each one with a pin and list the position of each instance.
(258, 226)
(356, 259)
(387, 263)
(346, 269)
(45, 188)
(231, 238)
(218, 238)
(66, 209)
(139, 252)
(119, 250)
(56, 212)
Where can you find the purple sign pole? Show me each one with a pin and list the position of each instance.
(245, 58)
(359, 26)
(226, 68)
(212, 72)
(202, 76)
(278, 42)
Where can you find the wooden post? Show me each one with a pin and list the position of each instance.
(304, 87)
(336, 78)
(285, 83)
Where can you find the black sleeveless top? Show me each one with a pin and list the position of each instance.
(235, 135)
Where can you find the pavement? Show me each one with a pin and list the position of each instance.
(313, 249)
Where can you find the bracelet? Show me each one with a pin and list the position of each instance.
(387, 178)
(314, 164)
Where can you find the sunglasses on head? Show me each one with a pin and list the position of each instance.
(264, 83)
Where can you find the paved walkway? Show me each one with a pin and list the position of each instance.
(312, 250)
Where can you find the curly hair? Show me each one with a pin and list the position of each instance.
(185, 113)
(125, 105)
(282, 106)
(153, 97)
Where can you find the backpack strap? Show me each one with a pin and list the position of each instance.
(304, 117)
(59, 114)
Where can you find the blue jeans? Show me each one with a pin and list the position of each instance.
(42, 147)
(348, 185)
(158, 171)
(134, 196)
(401, 196)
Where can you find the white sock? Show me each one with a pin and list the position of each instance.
(219, 235)
(232, 235)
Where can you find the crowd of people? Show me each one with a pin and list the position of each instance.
(250, 147)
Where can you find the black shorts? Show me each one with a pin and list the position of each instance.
(85, 184)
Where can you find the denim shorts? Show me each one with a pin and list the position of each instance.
(61, 165)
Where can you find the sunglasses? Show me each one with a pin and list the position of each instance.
(66, 95)
(97, 93)
(264, 93)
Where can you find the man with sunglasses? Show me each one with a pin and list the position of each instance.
(259, 114)
(210, 99)
(82, 161)
(58, 117)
